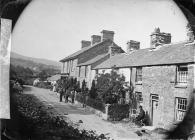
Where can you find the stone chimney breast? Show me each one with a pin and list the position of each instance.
(190, 33)
(85, 43)
(132, 45)
(107, 35)
(159, 38)
(95, 39)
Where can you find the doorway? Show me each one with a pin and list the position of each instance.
(154, 109)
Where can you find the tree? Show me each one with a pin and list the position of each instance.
(83, 88)
(110, 87)
(92, 92)
(43, 75)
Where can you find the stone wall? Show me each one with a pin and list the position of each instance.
(160, 80)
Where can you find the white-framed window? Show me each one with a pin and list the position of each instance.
(138, 78)
(182, 74)
(180, 108)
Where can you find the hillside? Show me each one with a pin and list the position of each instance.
(36, 64)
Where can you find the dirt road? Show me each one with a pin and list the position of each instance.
(75, 113)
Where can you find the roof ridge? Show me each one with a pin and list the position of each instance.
(84, 50)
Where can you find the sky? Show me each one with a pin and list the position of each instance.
(53, 29)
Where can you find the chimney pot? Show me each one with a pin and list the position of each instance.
(190, 33)
(159, 38)
(107, 35)
(132, 45)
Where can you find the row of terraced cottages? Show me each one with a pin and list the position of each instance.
(162, 75)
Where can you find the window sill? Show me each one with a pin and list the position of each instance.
(138, 83)
(181, 86)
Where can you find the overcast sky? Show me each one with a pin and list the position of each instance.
(53, 29)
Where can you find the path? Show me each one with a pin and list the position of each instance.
(76, 113)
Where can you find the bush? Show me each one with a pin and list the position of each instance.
(35, 122)
(96, 104)
(118, 112)
(79, 98)
(93, 91)
(46, 85)
(110, 87)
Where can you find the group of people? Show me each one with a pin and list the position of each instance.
(66, 94)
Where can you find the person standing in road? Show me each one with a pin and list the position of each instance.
(73, 96)
(61, 93)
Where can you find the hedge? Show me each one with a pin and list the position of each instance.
(91, 102)
(118, 112)
(96, 104)
(33, 121)
(79, 98)
(46, 85)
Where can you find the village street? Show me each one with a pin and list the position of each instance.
(75, 113)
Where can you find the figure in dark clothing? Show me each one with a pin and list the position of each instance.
(141, 114)
(67, 95)
(85, 93)
(61, 94)
(73, 96)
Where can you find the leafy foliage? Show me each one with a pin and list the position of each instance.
(46, 85)
(110, 87)
(38, 123)
(118, 112)
(84, 86)
(68, 83)
(21, 74)
(93, 91)
(94, 103)
(27, 75)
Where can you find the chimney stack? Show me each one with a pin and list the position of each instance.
(132, 45)
(95, 39)
(85, 43)
(190, 33)
(107, 35)
(159, 38)
(113, 49)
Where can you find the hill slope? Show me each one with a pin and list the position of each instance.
(36, 64)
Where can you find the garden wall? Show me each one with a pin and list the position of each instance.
(113, 112)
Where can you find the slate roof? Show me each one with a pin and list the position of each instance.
(74, 55)
(54, 77)
(177, 53)
(95, 59)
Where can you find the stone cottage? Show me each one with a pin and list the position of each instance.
(79, 64)
(162, 76)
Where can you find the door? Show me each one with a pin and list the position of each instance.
(154, 109)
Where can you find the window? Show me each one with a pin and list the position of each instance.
(180, 108)
(139, 97)
(138, 75)
(79, 71)
(71, 65)
(182, 74)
